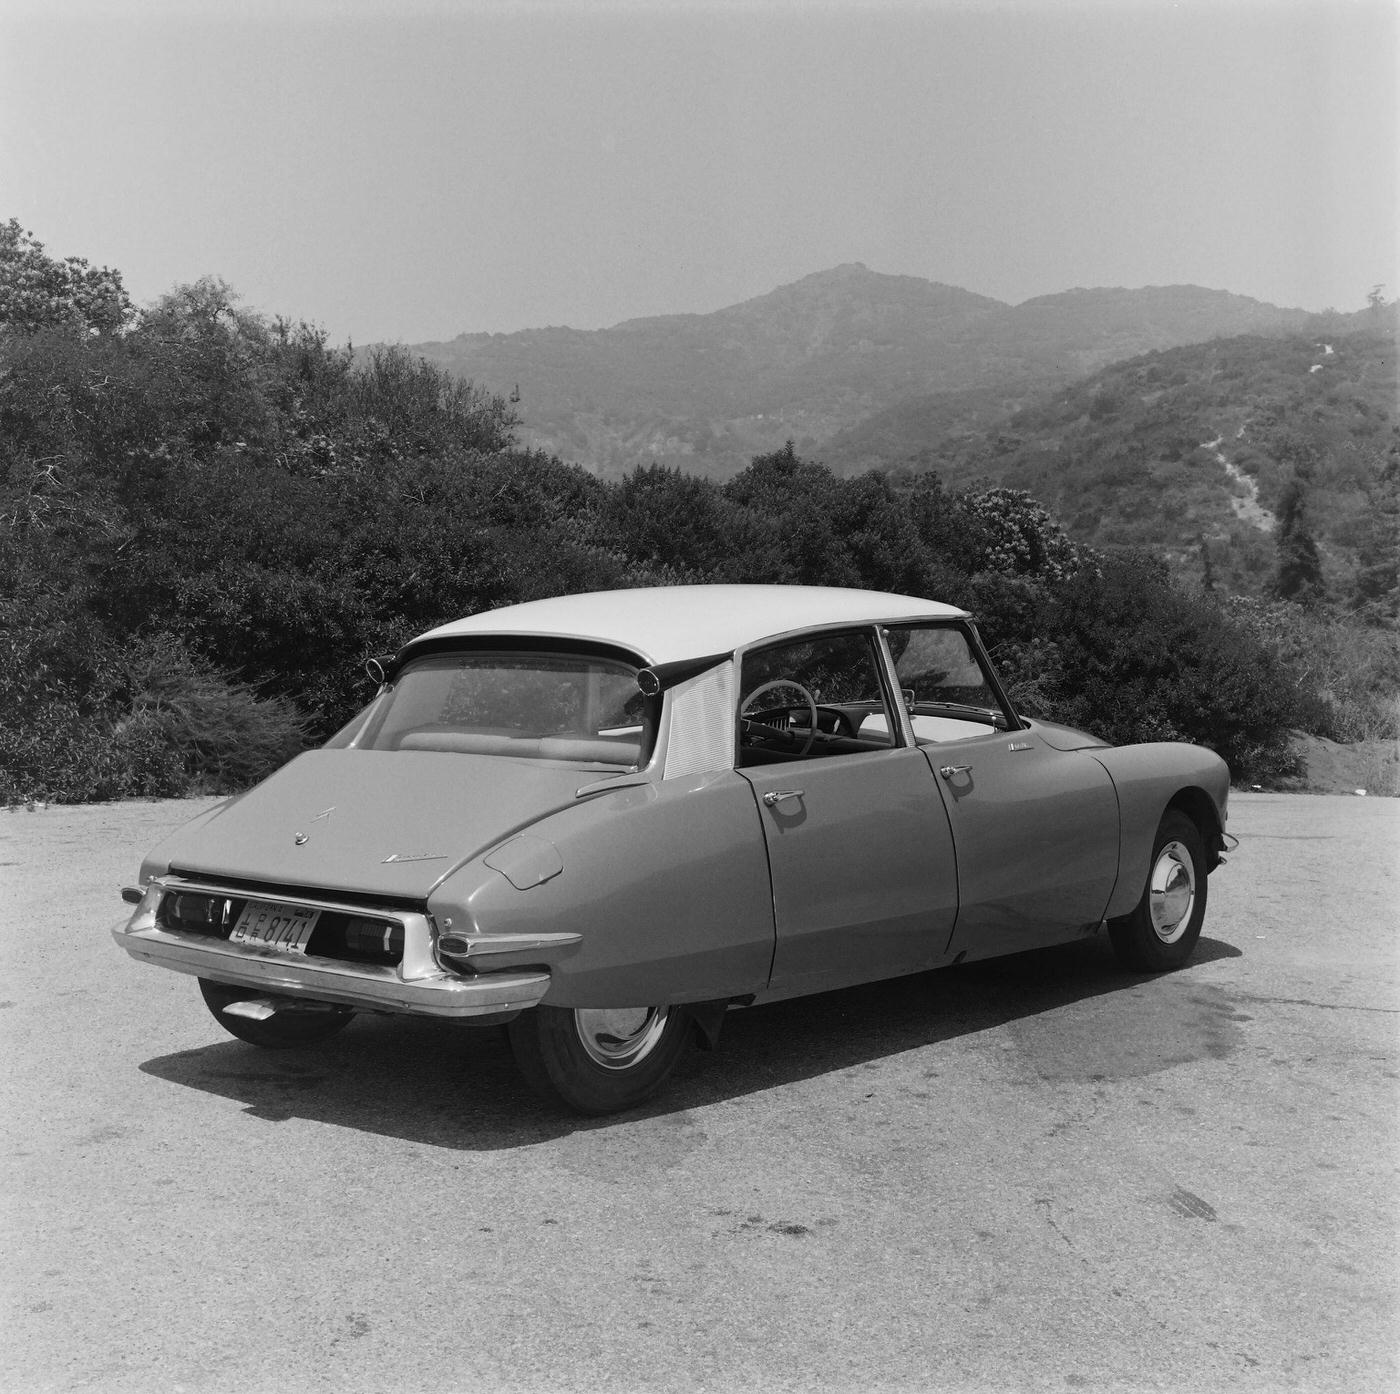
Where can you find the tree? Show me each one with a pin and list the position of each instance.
(37, 292)
(1208, 581)
(1376, 588)
(1019, 537)
(1298, 574)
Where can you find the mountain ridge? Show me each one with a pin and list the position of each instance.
(813, 357)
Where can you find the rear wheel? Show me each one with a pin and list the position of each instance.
(292, 1025)
(1160, 932)
(596, 1060)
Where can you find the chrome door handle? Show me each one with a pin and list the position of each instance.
(775, 796)
(953, 771)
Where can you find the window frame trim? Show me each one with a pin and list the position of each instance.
(901, 731)
(968, 629)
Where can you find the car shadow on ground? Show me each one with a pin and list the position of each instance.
(454, 1085)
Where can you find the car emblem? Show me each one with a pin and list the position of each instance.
(324, 813)
(415, 857)
(301, 839)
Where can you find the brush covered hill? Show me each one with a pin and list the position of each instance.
(1186, 452)
(814, 358)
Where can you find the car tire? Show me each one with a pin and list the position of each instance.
(282, 1030)
(1161, 931)
(598, 1061)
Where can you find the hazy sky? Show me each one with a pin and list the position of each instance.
(414, 170)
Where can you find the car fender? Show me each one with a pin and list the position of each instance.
(1148, 780)
(648, 893)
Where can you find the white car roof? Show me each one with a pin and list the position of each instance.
(668, 624)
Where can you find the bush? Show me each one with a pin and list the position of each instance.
(1344, 673)
(218, 732)
(1140, 660)
(89, 721)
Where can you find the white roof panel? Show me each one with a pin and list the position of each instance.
(667, 624)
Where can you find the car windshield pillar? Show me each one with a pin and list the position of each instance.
(941, 672)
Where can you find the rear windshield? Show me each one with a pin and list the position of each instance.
(534, 706)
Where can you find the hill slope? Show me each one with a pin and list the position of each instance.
(813, 358)
(1188, 448)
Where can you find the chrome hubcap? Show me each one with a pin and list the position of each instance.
(618, 1037)
(1172, 892)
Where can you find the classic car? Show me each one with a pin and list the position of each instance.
(605, 820)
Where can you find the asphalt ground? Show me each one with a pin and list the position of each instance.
(1041, 1173)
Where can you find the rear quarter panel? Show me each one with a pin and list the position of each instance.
(1148, 779)
(667, 883)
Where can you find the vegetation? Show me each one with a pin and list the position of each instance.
(209, 520)
(1211, 456)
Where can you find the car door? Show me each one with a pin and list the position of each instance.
(859, 847)
(1035, 828)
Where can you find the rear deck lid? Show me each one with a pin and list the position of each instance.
(371, 822)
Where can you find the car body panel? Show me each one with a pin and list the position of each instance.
(373, 822)
(1036, 831)
(862, 864)
(667, 624)
(1064, 737)
(1148, 779)
(665, 882)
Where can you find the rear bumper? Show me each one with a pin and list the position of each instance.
(418, 987)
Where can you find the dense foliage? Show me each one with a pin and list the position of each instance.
(208, 521)
(1205, 455)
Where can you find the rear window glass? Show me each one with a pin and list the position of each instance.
(529, 706)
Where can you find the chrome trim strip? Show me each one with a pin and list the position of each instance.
(418, 960)
(316, 902)
(475, 946)
(419, 986)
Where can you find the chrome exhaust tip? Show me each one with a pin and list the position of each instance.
(260, 1008)
(254, 1008)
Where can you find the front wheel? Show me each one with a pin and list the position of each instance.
(280, 1031)
(1160, 932)
(595, 1060)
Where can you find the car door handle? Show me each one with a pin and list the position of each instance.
(775, 796)
(953, 771)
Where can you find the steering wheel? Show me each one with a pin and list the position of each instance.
(762, 731)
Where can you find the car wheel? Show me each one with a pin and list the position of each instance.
(598, 1060)
(282, 1030)
(1161, 931)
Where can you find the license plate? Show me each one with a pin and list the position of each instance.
(285, 927)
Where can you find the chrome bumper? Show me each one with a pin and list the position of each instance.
(418, 986)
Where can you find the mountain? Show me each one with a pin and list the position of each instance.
(812, 359)
(1189, 448)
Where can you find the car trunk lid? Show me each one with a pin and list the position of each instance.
(373, 822)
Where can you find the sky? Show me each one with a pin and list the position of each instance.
(408, 170)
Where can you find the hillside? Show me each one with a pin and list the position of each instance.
(814, 358)
(1184, 448)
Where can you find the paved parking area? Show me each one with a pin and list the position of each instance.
(1037, 1174)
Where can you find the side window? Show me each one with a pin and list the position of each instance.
(811, 699)
(943, 684)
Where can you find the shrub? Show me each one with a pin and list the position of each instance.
(1344, 674)
(87, 720)
(217, 731)
(1141, 660)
